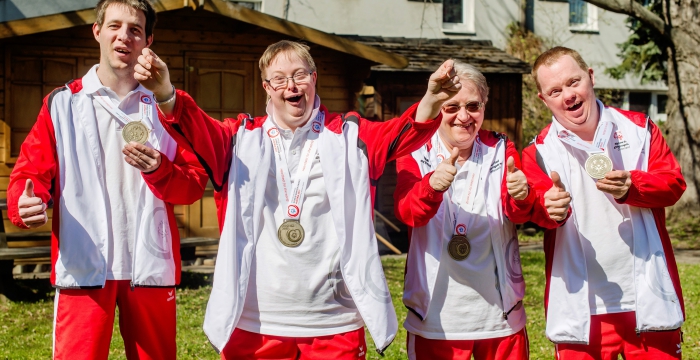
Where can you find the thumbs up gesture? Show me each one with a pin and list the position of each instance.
(444, 174)
(516, 181)
(557, 199)
(32, 209)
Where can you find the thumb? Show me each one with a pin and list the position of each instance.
(453, 156)
(511, 165)
(29, 188)
(556, 181)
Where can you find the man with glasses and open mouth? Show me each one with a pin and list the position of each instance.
(294, 191)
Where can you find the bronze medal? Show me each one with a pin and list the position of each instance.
(459, 247)
(597, 165)
(291, 233)
(135, 131)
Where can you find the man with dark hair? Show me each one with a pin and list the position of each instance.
(603, 177)
(99, 153)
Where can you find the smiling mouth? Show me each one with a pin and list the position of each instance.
(123, 51)
(294, 99)
(575, 106)
(464, 126)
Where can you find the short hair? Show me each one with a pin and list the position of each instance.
(143, 5)
(282, 46)
(551, 56)
(469, 73)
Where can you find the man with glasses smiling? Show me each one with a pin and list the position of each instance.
(297, 273)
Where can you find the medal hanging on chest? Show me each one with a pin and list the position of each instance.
(597, 164)
(133, 130)
(291, 233)
(462, 196)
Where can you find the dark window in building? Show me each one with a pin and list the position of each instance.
(452, 11)
(661, 104)
(578, 12)
(640, 101)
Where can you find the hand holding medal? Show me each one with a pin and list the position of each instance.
(444, 174)
(516, 181)
(557, 199)
(141, 157)
(616, 183)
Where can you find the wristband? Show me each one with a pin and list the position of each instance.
(172, 98)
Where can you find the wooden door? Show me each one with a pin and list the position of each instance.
(223, 88)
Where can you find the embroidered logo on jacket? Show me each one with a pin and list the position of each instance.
(620, 143)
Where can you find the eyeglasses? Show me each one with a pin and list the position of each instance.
(472, 107)
(300, 78)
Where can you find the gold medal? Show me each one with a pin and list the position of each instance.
(290, 233)
(597, 165)
(135, 131)
(459, 247)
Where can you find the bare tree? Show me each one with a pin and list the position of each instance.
(680, 25)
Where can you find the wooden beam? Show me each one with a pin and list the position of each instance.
(302, 32)
(72, 18)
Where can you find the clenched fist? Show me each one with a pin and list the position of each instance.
(516, 181)
(445, 172)
(442, 86)
(557, 199)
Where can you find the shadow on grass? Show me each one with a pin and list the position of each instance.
(193, 280)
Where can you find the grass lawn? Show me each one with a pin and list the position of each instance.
(25, 328)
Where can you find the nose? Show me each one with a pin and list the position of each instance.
(569, 96)
(291, 85)
(463, 115)
(123, 34)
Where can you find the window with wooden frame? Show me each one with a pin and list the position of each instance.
(583, 17)
(458, 17)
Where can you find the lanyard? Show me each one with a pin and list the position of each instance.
(294, 189)
(145, 107)
(465, 196)
(600, 140)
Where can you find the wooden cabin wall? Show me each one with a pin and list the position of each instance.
(213, 58)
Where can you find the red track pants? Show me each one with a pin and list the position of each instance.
(513, 347)
(84, 319)
(613, 335)
(245, 345)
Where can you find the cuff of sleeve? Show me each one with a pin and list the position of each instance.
(426, 125)
(161, 172)
(430, 193)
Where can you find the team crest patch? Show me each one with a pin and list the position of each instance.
(461, 229)
(618, 135)
(440, 158)
(146, 99)
(316, 127)
(273, 132)
(293, 211)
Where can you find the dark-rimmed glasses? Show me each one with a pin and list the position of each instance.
(472, 107)
(299, 78)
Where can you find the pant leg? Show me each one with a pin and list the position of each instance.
(147, 320)
(420, 348)
(346, 346)
(606, 339)
(513, 347)
(246, 345)
(662, 345)
(83, 322)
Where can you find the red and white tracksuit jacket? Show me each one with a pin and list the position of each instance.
(422, 208)
(61, 156)
(237, 157)
(657, 182)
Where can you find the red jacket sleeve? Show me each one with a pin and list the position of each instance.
(518, 211)
(663, 184)
(37, 161)
(415, 201)
(209, 139)
(392, 139)
(540, 182)
(180, 181)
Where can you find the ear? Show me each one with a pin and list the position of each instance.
(96, 31)
(314, 77)
(268, 89)
(149, 41)
(539, 95)
(590, 74)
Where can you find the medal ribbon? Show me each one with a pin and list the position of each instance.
(109, 105)
(600, 140)
(293, 191)
(468, 193)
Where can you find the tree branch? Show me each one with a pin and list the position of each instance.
(635, 10)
